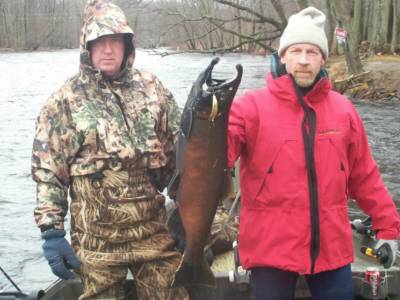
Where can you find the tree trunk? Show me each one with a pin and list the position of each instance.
(385, 28)
(379, 39)
(239, 27)
(395, 27)
(366, 19)
(342, 13)
(372, 17)
(280, 10)
(4, 31)
(356, 29)
(330, 28)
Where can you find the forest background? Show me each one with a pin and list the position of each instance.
(216, 26)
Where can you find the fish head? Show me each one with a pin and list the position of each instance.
(209, 98)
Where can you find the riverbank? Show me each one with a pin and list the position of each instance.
(380, 80)
(30, 50)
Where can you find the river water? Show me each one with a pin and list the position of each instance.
(26, 81)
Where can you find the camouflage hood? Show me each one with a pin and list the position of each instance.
(101, 17)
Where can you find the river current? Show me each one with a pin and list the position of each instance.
(28, 78)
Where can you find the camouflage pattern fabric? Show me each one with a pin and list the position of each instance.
(103, 18)
(91, 124)
(118, 223)
(224, 227)
(110, 144)
(150, 279)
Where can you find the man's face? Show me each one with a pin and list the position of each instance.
(107, 54)
(304, 62)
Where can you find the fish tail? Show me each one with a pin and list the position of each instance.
(188, 275)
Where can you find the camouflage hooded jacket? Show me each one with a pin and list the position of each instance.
(91, 124)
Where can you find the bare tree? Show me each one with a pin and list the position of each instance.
(32, 24)
(348, 16)
(381, 10)
(204, 25)
(243, 26)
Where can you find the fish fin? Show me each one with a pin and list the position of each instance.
(188, 275)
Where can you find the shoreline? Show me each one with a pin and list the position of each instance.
(379, 82)
(28, 50)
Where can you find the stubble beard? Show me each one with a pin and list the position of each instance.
(304, 82)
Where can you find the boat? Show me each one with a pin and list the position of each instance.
(233, 281)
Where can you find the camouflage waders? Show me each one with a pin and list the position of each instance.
(118, 223)
(90, 126)
(224, 227)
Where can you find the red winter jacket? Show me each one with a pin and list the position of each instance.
(265, 131)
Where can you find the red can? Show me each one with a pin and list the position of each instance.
(373, 277)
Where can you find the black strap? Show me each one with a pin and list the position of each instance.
(308, 128)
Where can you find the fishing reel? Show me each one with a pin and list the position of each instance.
(384, 253)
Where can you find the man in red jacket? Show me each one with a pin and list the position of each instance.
(303, 153)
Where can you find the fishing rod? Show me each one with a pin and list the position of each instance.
(19, 295)
(9, 279)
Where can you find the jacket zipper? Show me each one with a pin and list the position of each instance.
(119, 103)
(308, 128)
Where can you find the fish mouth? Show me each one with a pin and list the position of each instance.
(213, 85)
(209, 98)
(216, 95)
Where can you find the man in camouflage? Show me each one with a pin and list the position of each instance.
(107, 136)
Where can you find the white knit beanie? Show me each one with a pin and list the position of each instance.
(307, 26)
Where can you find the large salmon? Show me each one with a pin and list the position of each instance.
(202, 168)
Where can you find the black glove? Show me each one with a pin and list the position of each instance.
(176, 229)
(59, 253)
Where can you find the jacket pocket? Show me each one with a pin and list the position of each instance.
(332, 170)
(284, 177)
(336, 236)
